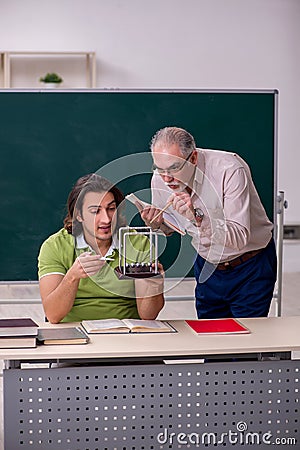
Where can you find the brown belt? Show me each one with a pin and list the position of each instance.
(237, 261)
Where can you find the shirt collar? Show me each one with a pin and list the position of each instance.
(81, 243)
(199, 172)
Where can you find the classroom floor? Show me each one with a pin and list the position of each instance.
(14, 298)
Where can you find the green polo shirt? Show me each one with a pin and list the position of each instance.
(101, 296)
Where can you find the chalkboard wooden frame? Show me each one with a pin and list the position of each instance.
(50, 138)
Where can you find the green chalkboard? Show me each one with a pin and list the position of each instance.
(49, 139)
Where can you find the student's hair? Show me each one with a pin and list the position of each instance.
(174, 135)
(90, 183)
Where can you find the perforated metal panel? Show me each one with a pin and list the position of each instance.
(144, 407)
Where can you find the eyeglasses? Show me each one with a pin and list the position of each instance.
(177, 167)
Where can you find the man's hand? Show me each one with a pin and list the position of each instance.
(182, 203)
(86, 265)
(147, 215)
(160, 268)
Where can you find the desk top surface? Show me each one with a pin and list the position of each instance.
(273, 334)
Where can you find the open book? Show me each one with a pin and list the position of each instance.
(217, 326)
(169, 220)
(127, 326)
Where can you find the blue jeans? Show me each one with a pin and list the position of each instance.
(243, 291)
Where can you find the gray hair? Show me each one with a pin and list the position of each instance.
(174, 135)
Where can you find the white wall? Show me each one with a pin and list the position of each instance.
(178, 44)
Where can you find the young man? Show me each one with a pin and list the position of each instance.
(212, 196)
(76, 281)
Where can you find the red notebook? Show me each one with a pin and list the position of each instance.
(218, 326)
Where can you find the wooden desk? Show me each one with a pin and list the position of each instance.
(139, 389)
(273, 334)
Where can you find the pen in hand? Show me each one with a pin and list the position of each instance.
(161, 211)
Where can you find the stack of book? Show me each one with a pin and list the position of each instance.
(18, 332)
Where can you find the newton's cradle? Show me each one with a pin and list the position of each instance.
(146, 268)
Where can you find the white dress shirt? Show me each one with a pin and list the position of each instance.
(234, 219)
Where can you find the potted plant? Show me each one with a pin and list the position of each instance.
(51, 80)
